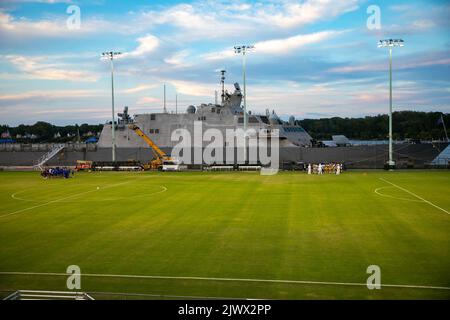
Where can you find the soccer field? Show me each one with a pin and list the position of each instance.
(231, 235)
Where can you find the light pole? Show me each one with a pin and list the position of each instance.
(110, 55)
(390, 43)
(243, 49)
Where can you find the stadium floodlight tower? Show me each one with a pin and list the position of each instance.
(110, 55)
(243, 49)
(390, 43)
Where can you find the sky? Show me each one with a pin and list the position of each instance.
(312, 59)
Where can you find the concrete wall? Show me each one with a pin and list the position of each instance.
(69, 157)
(46, 146)
(367, 157)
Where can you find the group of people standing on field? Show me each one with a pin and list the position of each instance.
(333, 168)
(57, 173)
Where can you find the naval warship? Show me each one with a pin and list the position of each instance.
(229, 114)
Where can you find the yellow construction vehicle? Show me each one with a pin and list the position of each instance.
(162, 161)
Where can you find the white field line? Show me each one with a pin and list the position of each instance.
(415, 195)
(163, 189)
(377, 191)
(225, 279)
(60, 199)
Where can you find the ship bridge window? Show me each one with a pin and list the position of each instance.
(153, 117)
(213, 110)
(201, 118)
(250, 120)
(153, 131)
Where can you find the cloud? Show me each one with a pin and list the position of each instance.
(415, 18)
(291, 14)
(147, 44)
(12, 26)
(193, 88)
(147, 100)
(343, 98)
(409, 62)
(413, 28)
(40, 1)
(218, 19)
(280, 46)
(178, 59)
(219, 55)
(304, 61)
(200, 20)
(193, 22)
(21, 30)
(139, 88)
(35, 96)
(36, 68)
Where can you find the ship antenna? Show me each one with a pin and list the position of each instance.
(165, 110)
(222, 81)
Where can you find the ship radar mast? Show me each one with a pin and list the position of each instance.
(222, 82)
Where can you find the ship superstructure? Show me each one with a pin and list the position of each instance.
(229, 114)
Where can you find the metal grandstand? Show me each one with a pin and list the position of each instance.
(48, 295)
(46, 157)
(443, 159)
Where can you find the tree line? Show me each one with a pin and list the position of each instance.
(406, 125)
(45, 132)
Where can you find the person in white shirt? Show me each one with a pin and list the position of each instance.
(338, 169)
(309, 168)
(320, 168)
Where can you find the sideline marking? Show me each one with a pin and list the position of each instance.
(60, 199)
(415, 195)
(226, 279)
(377, 191)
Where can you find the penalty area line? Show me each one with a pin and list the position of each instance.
(306, 282)
(415, 195)
(377, 191)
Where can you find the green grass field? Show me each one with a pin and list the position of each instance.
(232, 226)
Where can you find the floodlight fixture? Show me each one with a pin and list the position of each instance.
(243, 49)
(391, 43)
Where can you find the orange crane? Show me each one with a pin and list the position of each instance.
(160, 156)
